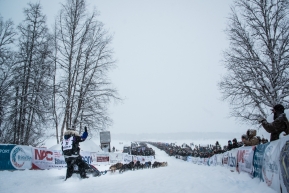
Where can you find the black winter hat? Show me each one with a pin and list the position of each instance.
(279, 107)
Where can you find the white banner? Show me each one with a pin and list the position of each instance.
(127, 158)
(115, 158)
(206, 161)
(284, 163)
(195, 160)
(141, 159)
(232, 163)
(59, 161)
(41, 158)
(200, 161)
(21, 157)
(219, 159)
(225, 159)
(149, 158)
(99, 158)
(213, 160)
(86, 156)
(189, 159)
(271, 166)
(245, 159)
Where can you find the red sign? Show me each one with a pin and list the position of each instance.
(42, 154)
(102, 159)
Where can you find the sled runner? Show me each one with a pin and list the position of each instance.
(90, 169)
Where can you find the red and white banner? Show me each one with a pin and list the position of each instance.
(45, 159)
(245, 159)
(225, 159)
(41, 158)
(99, 158)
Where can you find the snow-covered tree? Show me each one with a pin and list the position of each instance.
(30, 106)
(7, 59)
(84, 58)
(257, 60)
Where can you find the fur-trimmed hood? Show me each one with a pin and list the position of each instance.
(71, 132)
(251, 133)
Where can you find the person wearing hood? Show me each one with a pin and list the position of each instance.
(252, 139)
(235, 143)
(279, 125)
(71, 151)
(230, 145)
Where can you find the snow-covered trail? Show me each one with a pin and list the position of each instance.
(179, 176)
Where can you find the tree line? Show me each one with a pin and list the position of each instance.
(51, 79)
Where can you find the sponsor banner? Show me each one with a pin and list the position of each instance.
(5, 163)
(284, 163)
(41, 158)
(59, 161)
(245, 159)
(225, 159)
(258, 160)
(184, 158)
(141, 159)
(219, 159)
(205, 161)
(149, 158)
(86, 156)
(189, 159)
(99, 158)
(200, 161)
(127, 158)
(134, 158)
(21, 157)
(232, 162)
(210, 161)
(213, 160)
(115, 158)
(195, 160)
(271, 167)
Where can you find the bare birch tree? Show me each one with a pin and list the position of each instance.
(84, 58)
(32, 74)
(7, 38)
(257, 60)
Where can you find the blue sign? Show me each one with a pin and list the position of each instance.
(258, 160)
(5, 163)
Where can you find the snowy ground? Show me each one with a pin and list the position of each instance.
(178, 176)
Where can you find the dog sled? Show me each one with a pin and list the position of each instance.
(90, 169)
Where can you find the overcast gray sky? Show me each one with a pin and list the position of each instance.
(168, 56)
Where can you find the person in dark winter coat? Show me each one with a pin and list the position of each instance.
(279, 125)
(230, 145)
(71, 151)
(235, 143)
